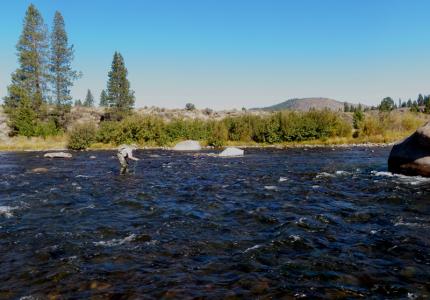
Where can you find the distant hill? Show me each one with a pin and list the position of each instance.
(304, 104)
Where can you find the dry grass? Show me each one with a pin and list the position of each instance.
(21, 143)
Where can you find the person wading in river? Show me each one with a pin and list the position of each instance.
(125, 152)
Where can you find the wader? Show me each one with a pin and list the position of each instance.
(124, 164)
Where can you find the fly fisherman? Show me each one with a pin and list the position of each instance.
(125, 152)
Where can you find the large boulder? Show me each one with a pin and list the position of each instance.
(412, 155)
(57, 155)
(231, 152)
(4, 128)
(188, 145)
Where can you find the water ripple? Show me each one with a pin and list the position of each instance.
(272, 224)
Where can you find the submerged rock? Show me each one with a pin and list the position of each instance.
(188, 145)
(231, 151)
(412, 155)
(39, 170)
(57, 155)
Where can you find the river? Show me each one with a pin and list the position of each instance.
(298, 223)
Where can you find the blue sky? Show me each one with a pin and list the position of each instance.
(240, 53)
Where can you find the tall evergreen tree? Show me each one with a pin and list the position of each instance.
(120, 97)
(89, 99)
(103, 99)
(62, 74)
(346, 107)
(420, 100)
(30, 79)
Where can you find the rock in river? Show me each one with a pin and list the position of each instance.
(412, 155)
(188, 145)
(39, 170)
(57, 155)
(231, 151)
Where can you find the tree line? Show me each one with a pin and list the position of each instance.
(422, 104)
(38, 98)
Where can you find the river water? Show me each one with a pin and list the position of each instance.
(298, 223)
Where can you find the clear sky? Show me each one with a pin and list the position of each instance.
(240, 53)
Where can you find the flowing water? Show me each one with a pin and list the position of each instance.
(299, 223)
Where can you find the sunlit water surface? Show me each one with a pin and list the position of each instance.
(300, 223)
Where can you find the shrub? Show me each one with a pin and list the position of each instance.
(208, 111)
(219, 135)
(180, 129)
(107, 131)
(190, 106)
(312, 125)
(45, 129)
(372, 126)
(82, 136)
(358, 118)
(239, 128)
(23, 119)
(409, 122)
(139, 129)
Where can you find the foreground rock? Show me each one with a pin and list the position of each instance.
(57, 155)
(188, 145)
(39, 170)
(231, 152)
(412, 155)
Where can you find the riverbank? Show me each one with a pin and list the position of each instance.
(278, 130)
(58, 143)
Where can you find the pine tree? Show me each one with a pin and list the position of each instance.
(23, 119)
(346, 107)
(62, 75)
(31, 77)
(420, 100)
(415, 107)
(120, 97)
(103, 99)
(427, 107)
(89, 99)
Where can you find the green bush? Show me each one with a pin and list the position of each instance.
(107, 132)
(23, 119)
(134, 129)
(273, 128)
(82, 136)
(219, 135)
(139, 129)
(239, 128)
(45, 129)
(312, 125)
(180, 129)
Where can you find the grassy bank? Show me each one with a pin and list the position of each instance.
(60, 143)
(286, 129)
(21, 143)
